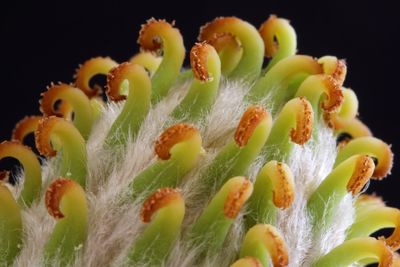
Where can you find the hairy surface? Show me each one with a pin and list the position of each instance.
(115, 221)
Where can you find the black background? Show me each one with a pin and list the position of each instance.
(44, 42)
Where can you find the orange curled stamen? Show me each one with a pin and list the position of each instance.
(236, 198)
(114, 79)
(354, 128)
(283, 194)
(149, 38)
(304, 120)
(221, 40)
(393, 241)
(385, 164)
(42, 135)
(92, 67)
(172, 136)
(278, 250)
(248, 123)
(49, 98)
(207, 32)
(159, 199)
(54, 194)
(268, 236)
(340, 71)
(337, 68)
(268, 31)
(25, 127)
(334, 95)
(375, 148)
(363, 171)
(198, 61)
(387, 257)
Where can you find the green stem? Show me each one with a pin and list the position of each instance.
(355, 250)
(10, 227)
(178, 149)
(97, 105)
(147, 60)
(68, 141)
(210, 229)
(229, 51)
(81, 107)
(346, 112)
(137, 103)
(266, 244)
(236, 157)
(323, 93)
(293, 125)
(66, 202)
(373, 147)
(198, 101)
(278, 29)
(32, 170)
(273, 189)
(371, 219)
(249, 67)
(157, 35)
(349, 176)
(275, 83)
(164, 210)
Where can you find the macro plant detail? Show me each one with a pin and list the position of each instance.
(228, 163)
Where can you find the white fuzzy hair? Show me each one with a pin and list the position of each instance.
(114, 224)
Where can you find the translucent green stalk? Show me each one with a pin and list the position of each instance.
(229, 51)
(273, 189)
(264, 242)
(349, 176)
(10, 226)
(371, 218)
(210, 229)
(373, 147)
(137, 103)
(32, 170)
(198, 101)
(355, 250)
(97, 105)
(249, 67)
(323, 92)
(164, 211)
(69, 142)
(66, 202)
(354, 128)
(148, 60)
(237, 156)
(178, 149)
(80, 104)
(278, 29)
(157, 36)
(275, 83)
(293, 125)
